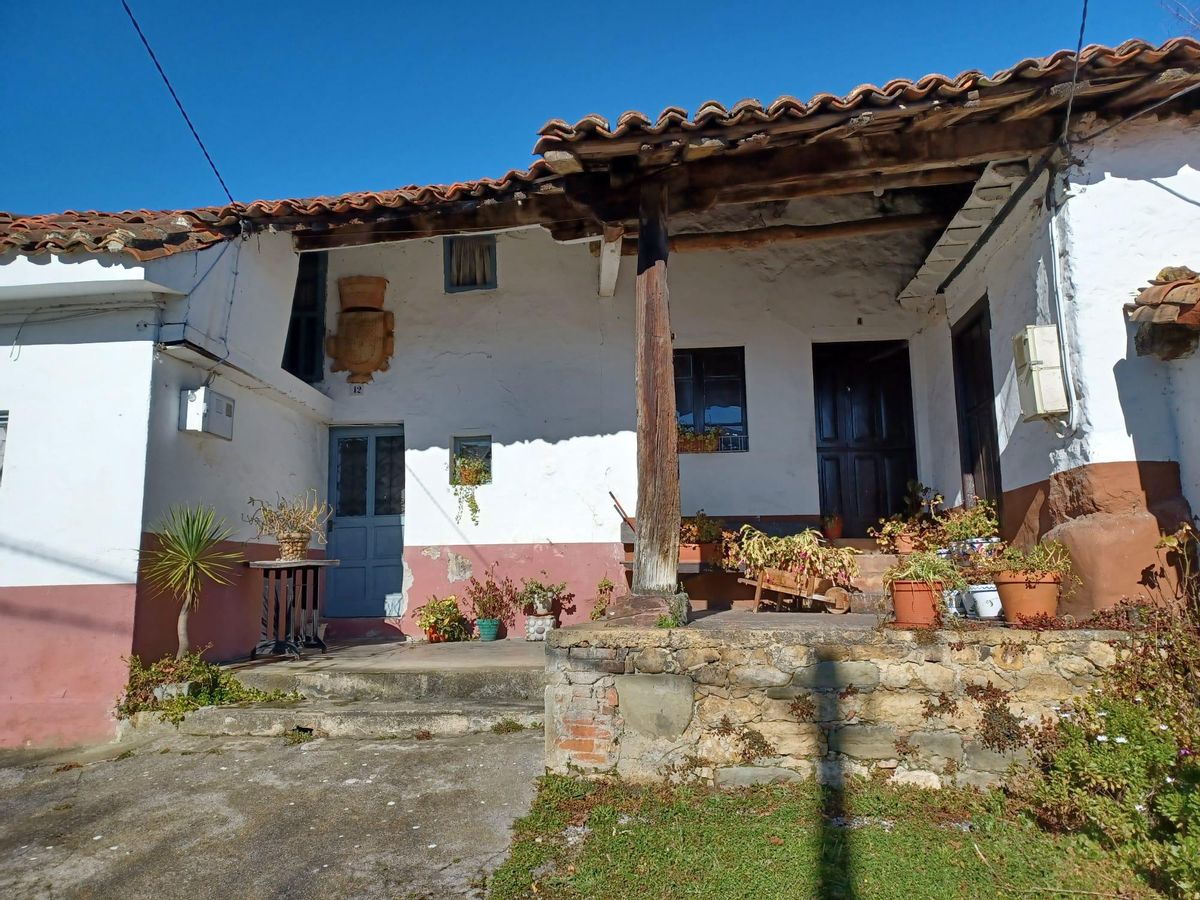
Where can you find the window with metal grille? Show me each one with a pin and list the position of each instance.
(304, 352)
(470, 263)
(710, 398)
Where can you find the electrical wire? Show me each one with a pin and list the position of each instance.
(175, 97)
(1065, 139)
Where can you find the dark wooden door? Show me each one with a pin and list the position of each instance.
(865, 448)
(973, 389)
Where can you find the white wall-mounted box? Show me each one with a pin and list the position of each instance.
(1040, 381)
(204, 410)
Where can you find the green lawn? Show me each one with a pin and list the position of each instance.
(613, 840)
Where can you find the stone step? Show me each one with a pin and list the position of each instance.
(354, 719)
(508, 683)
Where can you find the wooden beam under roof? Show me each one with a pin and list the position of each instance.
(750, 238)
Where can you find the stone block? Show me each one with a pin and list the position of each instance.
(979, 758)
(937, 744)
(903, 708)
(929, 676)
(1046, 686)
(864, 741)
(794, 656)
(652, 660)
(1101, 654)
(1075, 665)
(827, 675)
(917, 778)
(655, 705)
(800, 739)
(747, 776)
(758, 676)
(694, 658)
(710, 710)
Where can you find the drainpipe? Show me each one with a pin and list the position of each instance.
(1060, 317)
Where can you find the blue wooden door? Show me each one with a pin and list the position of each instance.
(366, 532)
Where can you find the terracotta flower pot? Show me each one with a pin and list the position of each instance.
(362, 291)
(705, 554)
(916, 602)
(905, 543)
(434, 636)
(1028, 596)
(833, 528)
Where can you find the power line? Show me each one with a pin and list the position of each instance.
(175, 97)
(1065, 140)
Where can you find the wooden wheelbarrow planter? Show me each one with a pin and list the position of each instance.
(801, 589)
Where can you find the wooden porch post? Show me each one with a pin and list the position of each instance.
(656, 551)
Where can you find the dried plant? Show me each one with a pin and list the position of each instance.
(305, 514)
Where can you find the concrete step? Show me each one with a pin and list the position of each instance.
(362, 720)
(508, 684)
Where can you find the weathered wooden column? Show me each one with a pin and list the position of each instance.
(656, 553)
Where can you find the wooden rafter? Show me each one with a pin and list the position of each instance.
(749, 238)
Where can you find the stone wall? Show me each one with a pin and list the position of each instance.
(738, 707)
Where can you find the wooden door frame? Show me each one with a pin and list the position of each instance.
(980, 309)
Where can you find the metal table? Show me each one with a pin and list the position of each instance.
(291, 610)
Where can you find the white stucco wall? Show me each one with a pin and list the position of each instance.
(546, 367)
(78, 396)
(275, 449)
(1134, 208)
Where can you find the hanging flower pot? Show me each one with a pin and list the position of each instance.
(362, 291)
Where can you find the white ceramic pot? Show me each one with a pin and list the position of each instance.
(982, 601)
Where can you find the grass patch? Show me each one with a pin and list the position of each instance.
(615, 840)
(507, 726)
(299, 735)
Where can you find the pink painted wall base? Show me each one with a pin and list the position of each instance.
(442, 570)
(63, 666)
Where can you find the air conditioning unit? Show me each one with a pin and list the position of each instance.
(1040, 381)
(204, 410)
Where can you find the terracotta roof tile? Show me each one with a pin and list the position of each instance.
(148, 234)
(1095, 61)
(1172, 297)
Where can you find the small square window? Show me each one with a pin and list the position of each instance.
(471, 460)
(470, 263)
(710, 400)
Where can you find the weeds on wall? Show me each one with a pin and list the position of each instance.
(1123, 763)
(175, 687)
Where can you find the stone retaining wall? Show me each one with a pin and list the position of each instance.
(750, 706)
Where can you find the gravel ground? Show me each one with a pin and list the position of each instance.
(225, 818)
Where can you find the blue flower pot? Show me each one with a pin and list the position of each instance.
(489, 629)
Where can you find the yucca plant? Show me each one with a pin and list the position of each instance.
(187, 556)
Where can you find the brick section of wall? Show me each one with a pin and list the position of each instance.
(753, 706)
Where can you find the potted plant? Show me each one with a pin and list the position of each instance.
(967, 529)
(1030, 581)
(692, 440)
(493, 602)
(917, 583)
(899, 535)
(442, 620)
(981, 600)
(542, 602)
(470, 471)
(186, 557)
(832, 526)
(293, 522)
(700, 538)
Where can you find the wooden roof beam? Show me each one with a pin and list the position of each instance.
(751, 238)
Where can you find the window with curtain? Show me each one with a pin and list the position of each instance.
(470, 263)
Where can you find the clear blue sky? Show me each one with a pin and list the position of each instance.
(310, 97)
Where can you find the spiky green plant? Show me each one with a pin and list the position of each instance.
(186, 557)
